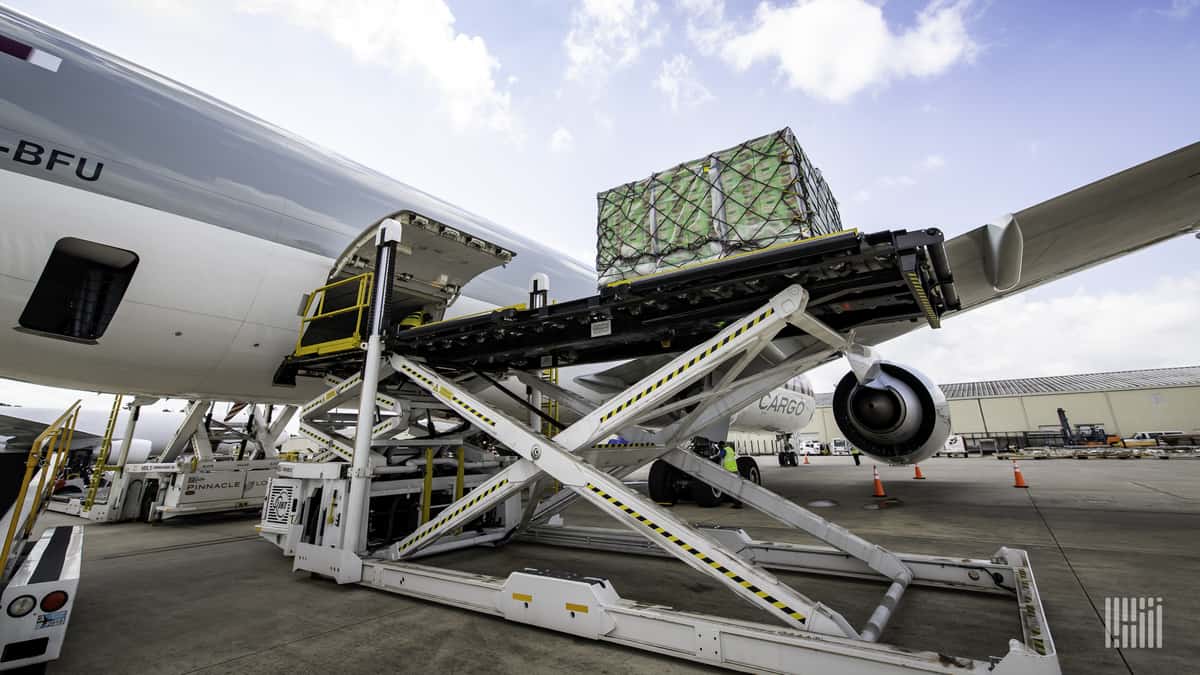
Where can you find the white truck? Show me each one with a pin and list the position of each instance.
(954, 447)
(839, 446)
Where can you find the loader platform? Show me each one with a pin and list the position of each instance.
(854, 280)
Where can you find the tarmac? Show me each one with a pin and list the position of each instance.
(206, 595)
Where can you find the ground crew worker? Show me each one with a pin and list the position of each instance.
(729, 461)
(854, 452)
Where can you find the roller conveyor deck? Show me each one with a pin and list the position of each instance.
(854, 279)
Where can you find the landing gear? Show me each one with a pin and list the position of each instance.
(788, 458)
(705, 495)
(668, 485)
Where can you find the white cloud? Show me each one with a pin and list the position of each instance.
(562, 140)
(706, 25)
(833, 49)
(1180, 9)
(605, 121)
(1009, 338)
(682, 87)
(862, 196)
(607, 35)
(932, 162)
(897, 181)
(928, 163)
(417, 36)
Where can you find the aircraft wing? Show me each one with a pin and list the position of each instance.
(18, 433)
(1122, 213)
(1111, 217)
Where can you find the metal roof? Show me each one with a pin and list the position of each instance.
(1155, 378)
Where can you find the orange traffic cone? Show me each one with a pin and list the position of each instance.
(1018, 479)
(806, 458)
(917, 475)
(878, 484)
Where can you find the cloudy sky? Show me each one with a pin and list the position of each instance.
(926, 113)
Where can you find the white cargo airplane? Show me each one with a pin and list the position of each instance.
(157, 241)
(154, 427)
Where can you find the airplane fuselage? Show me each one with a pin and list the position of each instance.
(231, 220)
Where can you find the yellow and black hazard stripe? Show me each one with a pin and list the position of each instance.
(691, 362)
(923, 299)
(328, 396)
(467, 406)
(413, 372)
(476, 497)
(329, 443)
(702, 557)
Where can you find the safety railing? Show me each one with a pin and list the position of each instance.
(49, 453)
(336, 324)
(101, 466)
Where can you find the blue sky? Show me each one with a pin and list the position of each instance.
(920, 114)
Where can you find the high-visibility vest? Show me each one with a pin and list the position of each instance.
(730, 459)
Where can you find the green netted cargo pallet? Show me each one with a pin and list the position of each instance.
(757, 194)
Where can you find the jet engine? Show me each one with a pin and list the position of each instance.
(900, 417)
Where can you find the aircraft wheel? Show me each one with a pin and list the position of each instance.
(662, 483)
(705, 495)
(748, 469)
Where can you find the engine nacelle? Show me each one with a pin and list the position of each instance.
(901, 417)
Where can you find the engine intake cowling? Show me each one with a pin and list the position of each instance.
(900, 417)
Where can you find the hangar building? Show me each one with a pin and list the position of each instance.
(1124, 402)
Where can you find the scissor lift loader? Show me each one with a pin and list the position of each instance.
(715, 322)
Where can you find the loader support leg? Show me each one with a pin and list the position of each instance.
(356, 506)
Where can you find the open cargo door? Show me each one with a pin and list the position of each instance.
(434, 262)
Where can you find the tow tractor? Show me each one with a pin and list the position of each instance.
(418, 458)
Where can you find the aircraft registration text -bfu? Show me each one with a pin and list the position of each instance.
(53, 159)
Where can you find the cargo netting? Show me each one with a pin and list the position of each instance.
(757, 194)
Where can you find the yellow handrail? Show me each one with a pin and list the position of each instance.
(101, 466)
(49, 449)
(362, 302)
